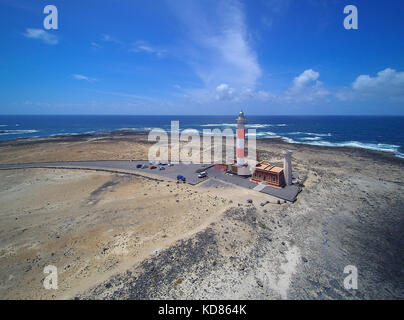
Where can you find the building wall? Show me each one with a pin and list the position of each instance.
(269, 178)
(222, 167)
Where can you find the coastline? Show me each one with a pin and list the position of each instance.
(141, 136)
(115, 236)
(365, 132)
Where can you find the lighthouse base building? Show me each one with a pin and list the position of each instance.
(269, 174)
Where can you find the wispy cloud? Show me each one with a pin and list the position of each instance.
(42, 35)
(95, 45)
(275, 9)
(142, 46)
(277, 6)
(108, 38)
(218, 47)
(82, 77)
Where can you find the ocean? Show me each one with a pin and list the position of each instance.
(383, 133)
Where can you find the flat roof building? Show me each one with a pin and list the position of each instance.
(268, 173)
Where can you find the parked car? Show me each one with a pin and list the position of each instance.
(153, 167)
(181, 177)
(170, 164)
(144, 166)
(203, 174)
(139, 165)
(162, 168)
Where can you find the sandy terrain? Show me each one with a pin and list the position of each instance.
(118, 236)
(75, 148)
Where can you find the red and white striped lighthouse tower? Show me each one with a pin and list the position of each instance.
(240, 139)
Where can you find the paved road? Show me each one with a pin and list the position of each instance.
(124, 166)
(190, 171)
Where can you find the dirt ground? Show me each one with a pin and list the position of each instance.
(117, 236)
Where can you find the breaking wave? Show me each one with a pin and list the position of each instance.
(310, 134)
(256, 125)
(390, 148)
(17, 131)
(136, 129)
(310, 138)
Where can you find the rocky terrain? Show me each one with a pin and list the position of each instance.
(125, 237)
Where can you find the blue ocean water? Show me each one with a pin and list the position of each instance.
(384, 133)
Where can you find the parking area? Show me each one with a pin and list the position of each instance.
(189, 171)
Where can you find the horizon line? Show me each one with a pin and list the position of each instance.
(212, 115)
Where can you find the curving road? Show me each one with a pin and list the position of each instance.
(190, 171)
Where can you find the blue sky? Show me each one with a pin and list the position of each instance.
(202, 57)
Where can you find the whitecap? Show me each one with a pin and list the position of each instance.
(310, 138)
(251, 125)
(310, 134)
(390, 148)
(5, 132)
(219, 125)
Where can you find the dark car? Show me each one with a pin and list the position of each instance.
(139, 166)
(153, 167)
(181, 177)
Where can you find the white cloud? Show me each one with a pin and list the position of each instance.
(224, 92)
(306, 87)
(386, 80)
(218, 48)
(82, 77)
(388, 84)
(42, 35)
(305, 79)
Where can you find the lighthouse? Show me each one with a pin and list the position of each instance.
(241, 121)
